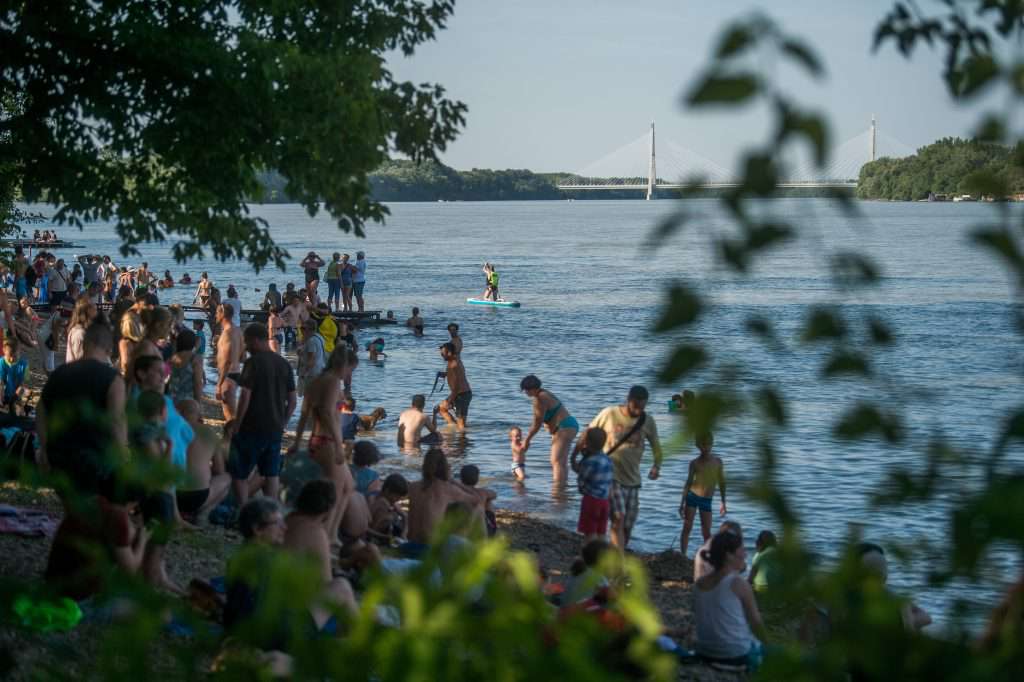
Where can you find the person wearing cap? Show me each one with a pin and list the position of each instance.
(359, 279)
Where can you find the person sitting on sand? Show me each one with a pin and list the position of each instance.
(208, 481)
(415, 323)
(515, 438)
(305, 532)
(701, 567)
(386, 519)
(729, 625)
(364, 455)
(355, 524)
(764, 567)
(586, 576)
(149, 439)
(412, 421)
(428, 500)
(13, 370)
(706, 473)
(263, 531)
(469, 476)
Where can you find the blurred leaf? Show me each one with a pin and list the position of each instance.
(1001, 242)
(990, 515)
(823, 323)
(666, 228)
(760, 175)
(705, 411)
(846, 362)
(853, 269)
(880, 332)
(801, 54)
(767, 234)
(772, 405)
(865, 419)
(974, 74)
(721, 89)
(734, 253)
(760, 326)
(684, 307)
(1016, 78)
(684, 360)
(991, 129)
(736, 40)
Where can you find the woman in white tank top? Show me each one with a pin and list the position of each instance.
(728, 622)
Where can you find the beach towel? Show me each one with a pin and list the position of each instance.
(26, 523)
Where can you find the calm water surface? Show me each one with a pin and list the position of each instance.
(590, 293)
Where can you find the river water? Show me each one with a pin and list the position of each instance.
(591, 290)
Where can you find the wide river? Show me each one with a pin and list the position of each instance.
(590, 291)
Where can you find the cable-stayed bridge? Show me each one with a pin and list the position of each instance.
(640, 165)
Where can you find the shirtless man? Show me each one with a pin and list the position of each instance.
(209, 482)
(412, 422)
(356, 522)
(430, 497)
(306, 532)
(415, 323)
(229, 360)
(461, 394)
(319, 406)
(453, 331)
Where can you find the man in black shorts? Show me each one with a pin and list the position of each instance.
(461, 394)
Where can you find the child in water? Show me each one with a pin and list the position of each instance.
(376, 349)
(515, 437)
(706, 473)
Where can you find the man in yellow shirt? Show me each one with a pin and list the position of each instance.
(627, 426)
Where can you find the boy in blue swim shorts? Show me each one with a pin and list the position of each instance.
(706, 473)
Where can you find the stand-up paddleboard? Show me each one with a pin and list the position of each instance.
(500, 303)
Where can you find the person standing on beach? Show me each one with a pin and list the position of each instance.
(333, 277)
(359, 279)
(266, 402)
(627, 427)
(80, 418)
(460, 396)
(229, 360)
(236, 305)
(548, 410)
(319, 407)
(706, 473)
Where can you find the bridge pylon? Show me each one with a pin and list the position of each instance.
(652, 176)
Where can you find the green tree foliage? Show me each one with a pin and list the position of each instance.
(161, 115)
(948, 166)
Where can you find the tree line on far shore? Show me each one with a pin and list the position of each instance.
(950, 166)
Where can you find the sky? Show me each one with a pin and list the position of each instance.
(555, 85)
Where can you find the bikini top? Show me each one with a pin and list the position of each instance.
(550, 414)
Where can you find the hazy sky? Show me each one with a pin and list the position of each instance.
(555, 85)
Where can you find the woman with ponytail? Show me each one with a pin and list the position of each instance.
(729, 626)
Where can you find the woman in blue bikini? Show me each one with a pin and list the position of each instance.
(548, 410)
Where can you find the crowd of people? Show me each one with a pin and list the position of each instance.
(131, 387)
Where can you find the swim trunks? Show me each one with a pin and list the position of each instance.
(190, 501)
(254, 450)
(519, 467)
(593, 516)
(569, 423)
(461, 404)
(697, 502)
